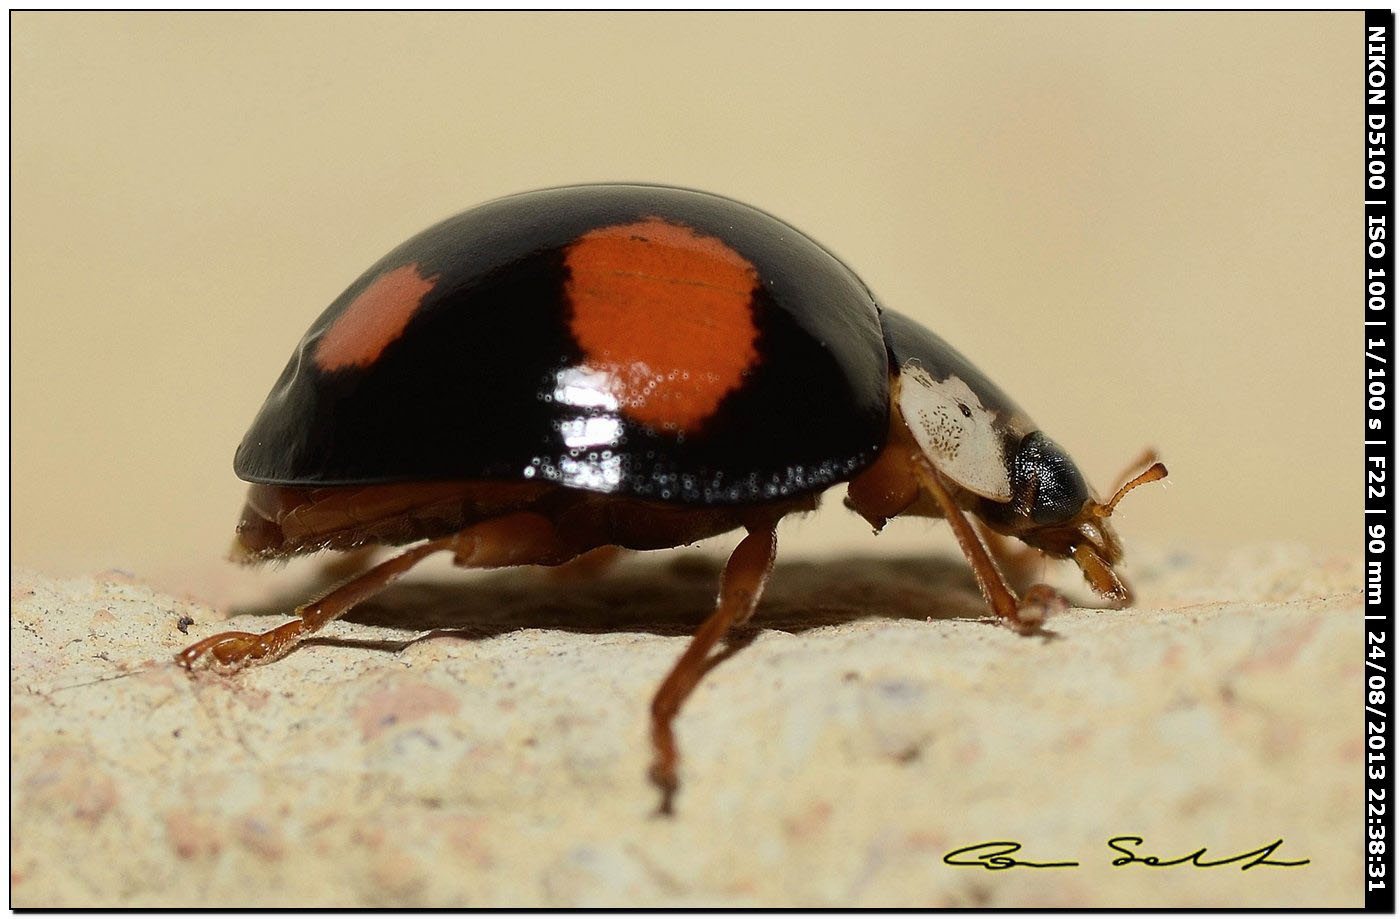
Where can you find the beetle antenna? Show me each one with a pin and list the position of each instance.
(1154, 472)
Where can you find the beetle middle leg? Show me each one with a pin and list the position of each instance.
(740, 586)
(514, 539)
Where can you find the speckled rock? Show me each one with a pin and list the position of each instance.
(483, 742)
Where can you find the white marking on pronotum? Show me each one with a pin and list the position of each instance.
(956, 432)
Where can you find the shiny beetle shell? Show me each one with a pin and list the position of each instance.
(649, 341)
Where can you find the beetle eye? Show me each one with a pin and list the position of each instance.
(1045, 482)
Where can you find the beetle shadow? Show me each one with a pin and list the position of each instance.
(661, 598)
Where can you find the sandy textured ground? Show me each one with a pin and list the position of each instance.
(483, 742)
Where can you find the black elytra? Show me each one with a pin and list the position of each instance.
(474, 385)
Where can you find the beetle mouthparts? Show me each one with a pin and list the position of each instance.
(1151, 474)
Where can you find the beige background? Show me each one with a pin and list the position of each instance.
(1144, 225)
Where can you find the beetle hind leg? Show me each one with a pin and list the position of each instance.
(514, 539)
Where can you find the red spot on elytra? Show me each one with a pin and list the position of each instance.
(665, 312)
(373, 320)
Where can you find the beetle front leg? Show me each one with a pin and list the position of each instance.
(1024, 615)
(515, 539)
(740, 586)
(1017, 561)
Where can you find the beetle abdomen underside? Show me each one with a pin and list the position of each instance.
(280, 521)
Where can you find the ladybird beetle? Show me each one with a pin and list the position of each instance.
(635, 366)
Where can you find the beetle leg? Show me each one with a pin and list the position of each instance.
(231, 650)
(1025, 616)
(516, 539)
(740, 586)
(1017, 561)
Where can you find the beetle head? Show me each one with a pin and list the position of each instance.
(1054, 510)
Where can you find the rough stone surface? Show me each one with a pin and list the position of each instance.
(483, 742)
